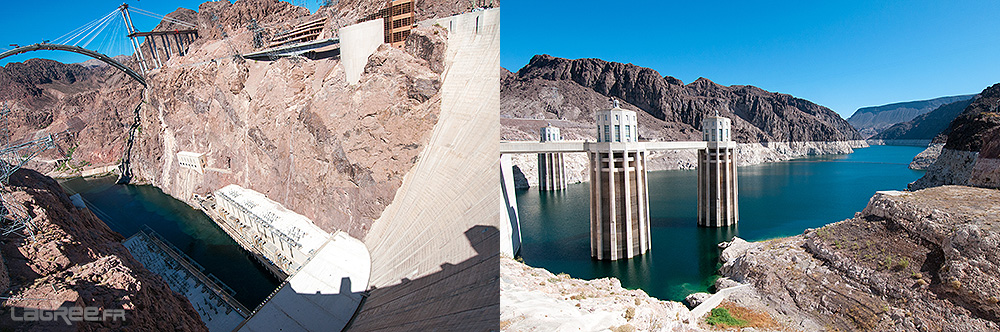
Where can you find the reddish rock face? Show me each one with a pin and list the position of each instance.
(292, 129)
(76, 260)
(92, 103)
(556, 88)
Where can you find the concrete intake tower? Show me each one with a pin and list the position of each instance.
(551, 166)
(717, 186)
(619, 208)
(619, 195)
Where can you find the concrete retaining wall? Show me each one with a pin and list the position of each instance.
(510, 226)
(357, 43)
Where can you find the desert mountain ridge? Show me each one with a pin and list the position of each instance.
(872, 120)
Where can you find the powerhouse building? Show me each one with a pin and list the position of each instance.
(287, 239)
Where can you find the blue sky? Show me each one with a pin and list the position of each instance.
(840, 54)
(29, 22)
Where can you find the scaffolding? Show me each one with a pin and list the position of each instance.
(399, 19)
(14, 217)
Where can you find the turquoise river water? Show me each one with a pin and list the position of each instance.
(128, 208)
(776, 200)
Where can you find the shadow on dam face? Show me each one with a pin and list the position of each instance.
(459, 297)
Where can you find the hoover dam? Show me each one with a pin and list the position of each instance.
(397, 231)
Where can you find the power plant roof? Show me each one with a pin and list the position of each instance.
(293, 226)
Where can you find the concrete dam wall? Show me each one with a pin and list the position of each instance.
(432, 256)
(435, 249)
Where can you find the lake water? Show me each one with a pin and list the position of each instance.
(128, 209)
(776, 200)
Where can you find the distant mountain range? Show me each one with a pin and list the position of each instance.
(869, 121)
(571, 91)
(925, 126)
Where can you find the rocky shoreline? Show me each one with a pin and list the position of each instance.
(910, 261)
(926, 158)
(904, 142)
(533, 299)
(923, 260)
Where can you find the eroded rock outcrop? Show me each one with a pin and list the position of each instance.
(758, 115)
(76, 260)
(91, 104)
(926, 158)
(292, 129)
(925, 260)
(535, 299)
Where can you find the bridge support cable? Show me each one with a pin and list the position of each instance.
(130, 28)
(74, 37)
(94, 32)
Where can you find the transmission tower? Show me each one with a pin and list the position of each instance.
(13, 216)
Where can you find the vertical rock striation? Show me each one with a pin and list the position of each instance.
(292, 129)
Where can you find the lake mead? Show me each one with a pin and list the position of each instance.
(776, 200)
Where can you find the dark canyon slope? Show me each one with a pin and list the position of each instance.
(572, 90)
(971, 154)
(92, 104)
(872, 120)
(567, 93)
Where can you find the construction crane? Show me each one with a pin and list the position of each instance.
(13, 216)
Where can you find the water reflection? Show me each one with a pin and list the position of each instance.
(128, 208)
(777, 199)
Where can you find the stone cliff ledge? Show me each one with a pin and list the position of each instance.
(924, 260)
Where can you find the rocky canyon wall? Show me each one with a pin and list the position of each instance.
(971, 154)
(76, 260)
(292, 129)
(567, 93)
(89, 104)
